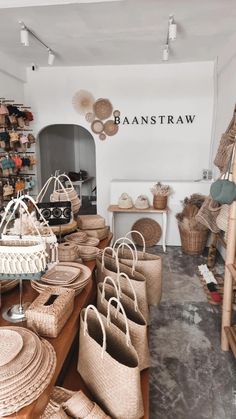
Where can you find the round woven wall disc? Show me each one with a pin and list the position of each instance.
(149, 228)
(116, 113)
(90, 116)
(97, 126)
(102, 136)
(102, 108)
(110, 128)
(83, 101)
(11, 344)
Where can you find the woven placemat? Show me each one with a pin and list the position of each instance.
(149, 228)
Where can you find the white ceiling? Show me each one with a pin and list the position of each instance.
(117, 32)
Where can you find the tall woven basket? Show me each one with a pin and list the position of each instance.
(160, 201)
(193, 242)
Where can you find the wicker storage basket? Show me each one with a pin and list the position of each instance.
(160, 201)
(53, 411)
(91, 222)
(193, 242)
(67, 252)
(50, 310)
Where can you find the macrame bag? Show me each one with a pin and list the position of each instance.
(21, 258)
(108, 364)
(137, 323)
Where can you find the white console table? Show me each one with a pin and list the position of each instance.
(114, 210)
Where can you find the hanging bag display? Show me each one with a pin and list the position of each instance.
(109, 265)
(223, 190)
(21, 258)
(60, 193)
(137, 323)
(108, 364)
(147, 264)
(56, 212)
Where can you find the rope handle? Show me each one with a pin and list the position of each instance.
(65, 176)
(128, 340)
(18, 202)
(131, 286)
(140, 234)
(92, 307)
(118, 290)
(134, 255)
(45, 187)
(129, 242)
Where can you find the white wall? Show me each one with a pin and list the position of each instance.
(137, 151)
(11, 88)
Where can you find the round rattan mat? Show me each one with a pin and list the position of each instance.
(110, 128)
(149, 228)
(102, 108)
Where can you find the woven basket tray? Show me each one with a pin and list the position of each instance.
(150, 230)
(99, 233)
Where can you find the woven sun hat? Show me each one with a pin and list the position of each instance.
(110, 128)
(91, 221)
(83, 101)
(125, 201)
(149, 228)
(24, 378)
(102, 108)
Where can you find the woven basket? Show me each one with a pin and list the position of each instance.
(50, 310)
(99, 233)
(53, 411)
(193, 242)
(67, 252)
(208, 213)
(222, 219)
(159, 201)
(91, 222)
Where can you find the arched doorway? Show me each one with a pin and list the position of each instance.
(70, 148)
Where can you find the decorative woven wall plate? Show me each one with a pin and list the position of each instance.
(110, 128)
(97, 126)
(149, 228)
(90, 116)
(83, 101)
(102, 108)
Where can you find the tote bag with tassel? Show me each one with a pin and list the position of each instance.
(108, 364)
(137, 323)
(109, 265)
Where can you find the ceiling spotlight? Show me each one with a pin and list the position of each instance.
(172, 28)
(24, 36)
(165, 53)
(51, 57)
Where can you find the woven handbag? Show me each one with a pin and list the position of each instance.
(109, 265)
(142, 202)
(222, 218)
(107, 362)
(57, 211)
(137, 323)
(125, 201)
(147, 264)
(208, 213)
(21, 258)
(61, 193)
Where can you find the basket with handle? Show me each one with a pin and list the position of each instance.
(21, 258)
(60, 192)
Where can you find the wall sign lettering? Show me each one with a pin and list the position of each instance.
(155, 119)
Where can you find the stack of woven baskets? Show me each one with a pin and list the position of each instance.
(94, 226)
(27, 365)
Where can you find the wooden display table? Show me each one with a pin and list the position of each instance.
(114, 209)
(63, 343)
(65, 228)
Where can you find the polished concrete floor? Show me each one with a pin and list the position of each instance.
(190, 377)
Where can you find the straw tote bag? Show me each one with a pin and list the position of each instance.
(110, 266)
(107, 363)
(147, 264)
(46, 233)
(21, 258)
(57, 211)
(60, 193)
(137, 323)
